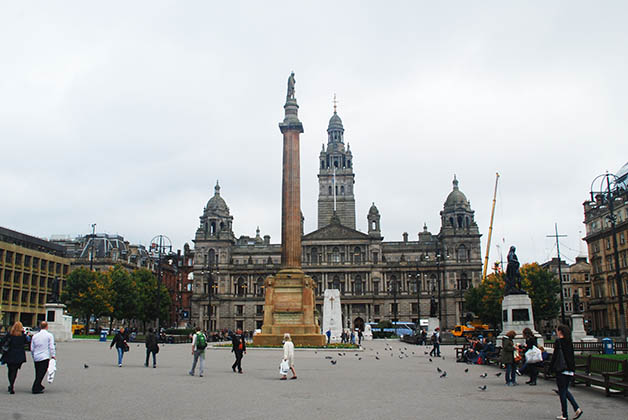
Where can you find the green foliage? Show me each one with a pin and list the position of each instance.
(180, 331)
(88, 293)
(146, 284)
(485, 301)
(125, 294)
(543, 288)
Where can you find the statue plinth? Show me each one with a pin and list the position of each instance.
(289, 308)
(517, 315)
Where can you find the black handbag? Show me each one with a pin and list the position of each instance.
(5, 344)
(560, 365)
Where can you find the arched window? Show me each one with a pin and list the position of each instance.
(336, 283)
(374, 225)
(358, 285)
(330, 190)
(212, 230)
(342, 190)
(357, 255)
(335, 163)
(467, 221)
(240, 286)
(461, 254)
(349, 163)
(336, 190)
(222, 226)
(335, 255)
(322, 164)
(259, 287)
(460, 221)
(211, 256)
(451, 221)
(393, 285)
(463, 282)
(314, 255)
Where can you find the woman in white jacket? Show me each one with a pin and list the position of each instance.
(288, 355)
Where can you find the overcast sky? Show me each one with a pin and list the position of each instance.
(125, 114)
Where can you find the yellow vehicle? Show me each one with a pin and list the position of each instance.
(471, 329)
(78, 329)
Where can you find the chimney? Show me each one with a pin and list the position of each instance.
(405, 236)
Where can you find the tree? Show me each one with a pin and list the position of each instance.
(88, 293)
(124, 294)
(485, 301)
(543, 288)
(146, 284)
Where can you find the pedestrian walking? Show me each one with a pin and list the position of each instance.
(435, 343)
(564, 364)
(120, 340)
(238, 347)
(508, 357)
(152, 347)
(199, 344)
(14, 355)
(528, 367)
(360, 336)
(288, 355)
(42, 350)
(328, 333)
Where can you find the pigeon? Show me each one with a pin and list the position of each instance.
(430, 360)
(425, 353)
(400, 356)
(328, 357)
(484, 375)
(315, 352)
(466, 370)
(333, 362)
(339, 354)
(412, 353)
(359, 358)
(439, 370)
(85, 366)
(443, 374)
(482, 388)
(443, 357)
(405, 348)
(344, 354)
(498, 374)
(355, 354)
(376, 357)
(138, 345)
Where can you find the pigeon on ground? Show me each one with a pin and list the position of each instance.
(425, 353)
(430, 360)
(315, 352)
(484, 375)
(339, 354)
(401, 357)
(333, 362)
(439, 370)
(482, 388)
(443, 374)
(328, 357)
(413, 353)
(85, 366)
(359, 358)
(466, 370)
(355, 354)
(344, 354)
(405, 348)
(376, 357)
(498, 374)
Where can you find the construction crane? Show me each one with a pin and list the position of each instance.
(490, 228)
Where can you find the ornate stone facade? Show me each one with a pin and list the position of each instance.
(378, 279)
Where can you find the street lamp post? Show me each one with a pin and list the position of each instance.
(393, 290)
(212, 268)
(608, 196)
(160, 244)
(91, 254)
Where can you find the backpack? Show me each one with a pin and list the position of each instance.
(201, 341)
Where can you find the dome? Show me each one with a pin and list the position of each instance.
(373, 210)
(217, 203)
(335, 123)
(456, 198)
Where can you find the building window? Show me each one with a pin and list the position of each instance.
(376, 309)
(358, 286)
(376, 287)
(335, 255)
(239, 310)
(259, 310)
(240, 287)
(394, 308)
(375, 255)
(587, 291)
(414, 308)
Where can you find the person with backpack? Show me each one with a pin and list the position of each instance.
(199, 343)
(238, 347)
(435, 343)
(151, 347)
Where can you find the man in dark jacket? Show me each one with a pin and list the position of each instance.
(238, 346)
(151, 347)
(564, 364)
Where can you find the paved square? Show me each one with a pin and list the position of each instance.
(389, 388)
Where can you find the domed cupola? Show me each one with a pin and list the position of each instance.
(373, 219)
(216, 222)
(457, 212)
(335, 129)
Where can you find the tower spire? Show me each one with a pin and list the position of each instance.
(335, 103)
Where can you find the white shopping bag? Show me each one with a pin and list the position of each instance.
(284, 367)
(52, 368)
(534, 355)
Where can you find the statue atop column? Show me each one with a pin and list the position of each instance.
(513, 277)
(54, 295)
(291, 83)
(576, 303)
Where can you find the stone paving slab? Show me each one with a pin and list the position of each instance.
(389, 388)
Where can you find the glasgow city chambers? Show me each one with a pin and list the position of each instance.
(378, 280)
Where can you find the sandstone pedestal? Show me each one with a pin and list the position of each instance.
(332, 315)
(432, 324)
(59, 325)
(289, 308)
(577, 332)
(517, 315)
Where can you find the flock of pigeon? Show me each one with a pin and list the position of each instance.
(405, 353)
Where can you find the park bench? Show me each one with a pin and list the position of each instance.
(603, 372)
(460, 350)
(494, 357)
